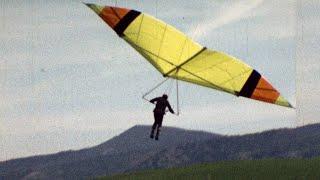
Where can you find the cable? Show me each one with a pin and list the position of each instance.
(177, 87)
(151, 90)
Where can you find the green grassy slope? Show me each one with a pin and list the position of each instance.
(246, 169)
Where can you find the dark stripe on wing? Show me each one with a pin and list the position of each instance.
(125, 21)
(250, 85)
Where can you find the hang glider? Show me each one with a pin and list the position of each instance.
(176, 56)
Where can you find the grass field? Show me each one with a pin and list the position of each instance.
(245, 169)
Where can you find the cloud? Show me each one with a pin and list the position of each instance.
(94, 119)
(229, 14)
(224, 117)
(261, 20)
(73, 41)
(230, 117)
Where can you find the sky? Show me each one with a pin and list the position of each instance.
(68, 82)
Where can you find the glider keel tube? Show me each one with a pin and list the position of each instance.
(185, 62)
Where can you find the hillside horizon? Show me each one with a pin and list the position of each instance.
(164, 127)
(133, 150)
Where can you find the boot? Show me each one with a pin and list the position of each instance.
(152, 132)
(157, 135)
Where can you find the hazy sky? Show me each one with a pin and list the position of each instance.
(68, 81)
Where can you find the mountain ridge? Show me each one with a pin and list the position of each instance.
(133, 150)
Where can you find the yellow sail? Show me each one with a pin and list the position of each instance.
(175, 55)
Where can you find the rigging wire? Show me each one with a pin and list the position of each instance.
(156, 9)
(154, 88)
(247, 39)
(167, 91)
(177, 88)
(299, 42)
(169, 88)
(4, 81)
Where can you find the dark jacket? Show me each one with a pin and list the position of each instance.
(161, 105)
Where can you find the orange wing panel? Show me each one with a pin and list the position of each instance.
(112, 15)
(265, 92)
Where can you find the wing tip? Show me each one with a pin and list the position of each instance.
(283, 102)
(87, 4)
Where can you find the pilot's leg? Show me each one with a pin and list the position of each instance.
(159, 119)
(153, 126)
